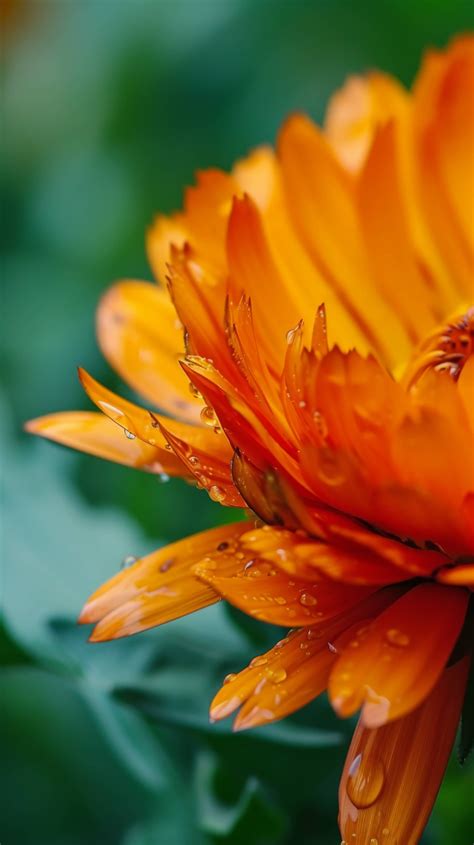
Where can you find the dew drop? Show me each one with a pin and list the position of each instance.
(129, 434)
(276, 675)
(216, 493)
(223, 546)
(291, 334)
(194, 461)
(397, 638)
(154, 421)
(374, 841)
(365, 780)
(128, 561)
(163, 477)
(194, 391)
(302, 403)
(332, 648)
(280, 599)
(308, 600)
(208, 416)
(258, 661)
(313, 634)
(385, 831)
(230, 677)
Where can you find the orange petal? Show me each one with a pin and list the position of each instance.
(157, 588)
(444, 138)
(97, 435)
(356, 111)
(161, 235)
(318, 188)
(292, 673)
(461, 575)
(142, 338)
(388, 239)
(266, 593)
(209, 464)
(203, 453)
(400, 656)
(392, 774)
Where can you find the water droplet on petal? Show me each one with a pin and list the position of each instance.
(332, 648)
(280, 599)
(230, 677)
(276, 675)
(385, 831)
(302, 403)
(374, 841)
(128, 561)
(258, 661)
(365, 780)
(208, 416)
(163, 477)
(194, 461)
(129, 434)
(308, 600)
(291, 334)
(222, 546)
(216, 493)
(397, 638)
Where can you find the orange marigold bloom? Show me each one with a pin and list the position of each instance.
(325, 291)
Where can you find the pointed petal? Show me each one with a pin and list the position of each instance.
(318, 188)
(97, 435)
(157, 588)
(392, 774)
(400, 656)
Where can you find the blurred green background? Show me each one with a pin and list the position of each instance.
(108, 108)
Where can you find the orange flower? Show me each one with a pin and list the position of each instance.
(345, 428)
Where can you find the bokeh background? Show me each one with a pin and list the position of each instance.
(108, 107)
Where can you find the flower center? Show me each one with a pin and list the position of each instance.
(446, 350)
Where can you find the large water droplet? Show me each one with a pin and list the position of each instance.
(208, 416)
(128, 561)
(129, 434)
(216, 493)
(291, 334)
(258, 661)
(397, 638)
(230, 677)
(276, 675)
(308, 600)
(365, 780)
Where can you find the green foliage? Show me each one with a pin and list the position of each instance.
(107, 114)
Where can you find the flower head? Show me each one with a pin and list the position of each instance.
(324, 292)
